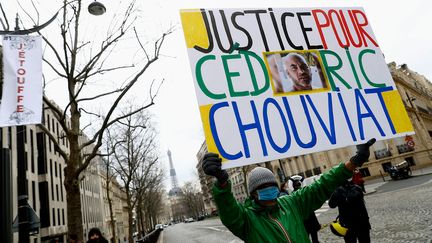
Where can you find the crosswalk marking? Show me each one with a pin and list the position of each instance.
(325, 207)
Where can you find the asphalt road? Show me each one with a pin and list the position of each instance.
(400, 212)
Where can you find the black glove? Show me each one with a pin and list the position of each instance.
(363, 153)
(212, 166)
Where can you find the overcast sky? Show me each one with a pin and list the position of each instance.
(402, 29)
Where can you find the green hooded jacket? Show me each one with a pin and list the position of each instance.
(283, 222)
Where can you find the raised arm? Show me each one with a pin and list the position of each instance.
(230, 212)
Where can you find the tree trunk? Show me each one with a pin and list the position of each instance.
(130, 215)
(114, 236)
(73, 197)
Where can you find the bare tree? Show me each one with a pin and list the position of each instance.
(193, 199)
(150, 206)
(109, 177)
(135, 158)
(80, 63)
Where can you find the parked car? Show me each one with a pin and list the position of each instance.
(188, 220)
(400, 171)
(159, 226)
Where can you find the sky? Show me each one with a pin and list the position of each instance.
(402, 29)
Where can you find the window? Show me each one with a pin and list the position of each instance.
(57, 192)
(317, 170)
(386, 166)
(410, 161)
(53, 217)
(58, 216)
(32, 151)
(55, 168)
(34, 195)
(63, 217)
(48, 122)
(365, 172)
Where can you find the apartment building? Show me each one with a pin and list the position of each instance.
(45, 176)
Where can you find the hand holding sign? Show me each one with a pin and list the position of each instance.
(212, 165)
(363, 153)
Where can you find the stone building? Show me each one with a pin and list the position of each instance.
(45, 180)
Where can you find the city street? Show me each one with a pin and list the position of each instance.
(399, 211)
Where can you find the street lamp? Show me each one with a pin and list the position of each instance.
(96, 8)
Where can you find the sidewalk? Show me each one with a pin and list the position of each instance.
(160, 239)
(372, 185)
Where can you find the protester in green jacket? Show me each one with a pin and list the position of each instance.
(266, 218)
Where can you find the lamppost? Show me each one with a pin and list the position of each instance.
(27, 220)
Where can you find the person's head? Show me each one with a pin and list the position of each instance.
(283, 187)
(263, 186)
(298, 70)
(94, 234)
(73, 238)
(296, 182)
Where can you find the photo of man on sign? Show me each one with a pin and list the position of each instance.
(294, 71)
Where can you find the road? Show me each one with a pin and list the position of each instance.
(399, 211)
(208, 231)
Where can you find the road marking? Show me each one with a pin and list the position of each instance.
(215, 229)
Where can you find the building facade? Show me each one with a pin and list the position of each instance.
(45, 180)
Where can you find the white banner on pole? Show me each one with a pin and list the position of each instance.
(21, 103)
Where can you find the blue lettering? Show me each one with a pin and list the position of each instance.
(294, 128)
(244, 127)
(361, 116)
(219, 146)
(347, 119)
(287, 145)
(331, 135)
(379, 91)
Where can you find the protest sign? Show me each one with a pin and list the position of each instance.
(275, 83)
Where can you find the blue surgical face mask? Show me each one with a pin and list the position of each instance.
(268, 193)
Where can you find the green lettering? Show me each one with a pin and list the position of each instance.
(331, 71)
(200, 80)
(360, 60)
(353, 68)
(229, 75)
(257, 90)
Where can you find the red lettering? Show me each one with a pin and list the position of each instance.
(363, 32)
(20, 89)
(20, 80)
(20, 108)
(21, 62)
(20, 98)
(320, 26)
(358, 22)
(21, 54)
(341, 25)
(359, 44)
(21, 71)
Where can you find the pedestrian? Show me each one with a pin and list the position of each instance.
(357, 179)
(95, 236)
(311, 223)
(266, 218)
(73, 238)
(283, 189)
(349, 199)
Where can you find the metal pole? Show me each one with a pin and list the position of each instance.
(23, 217)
